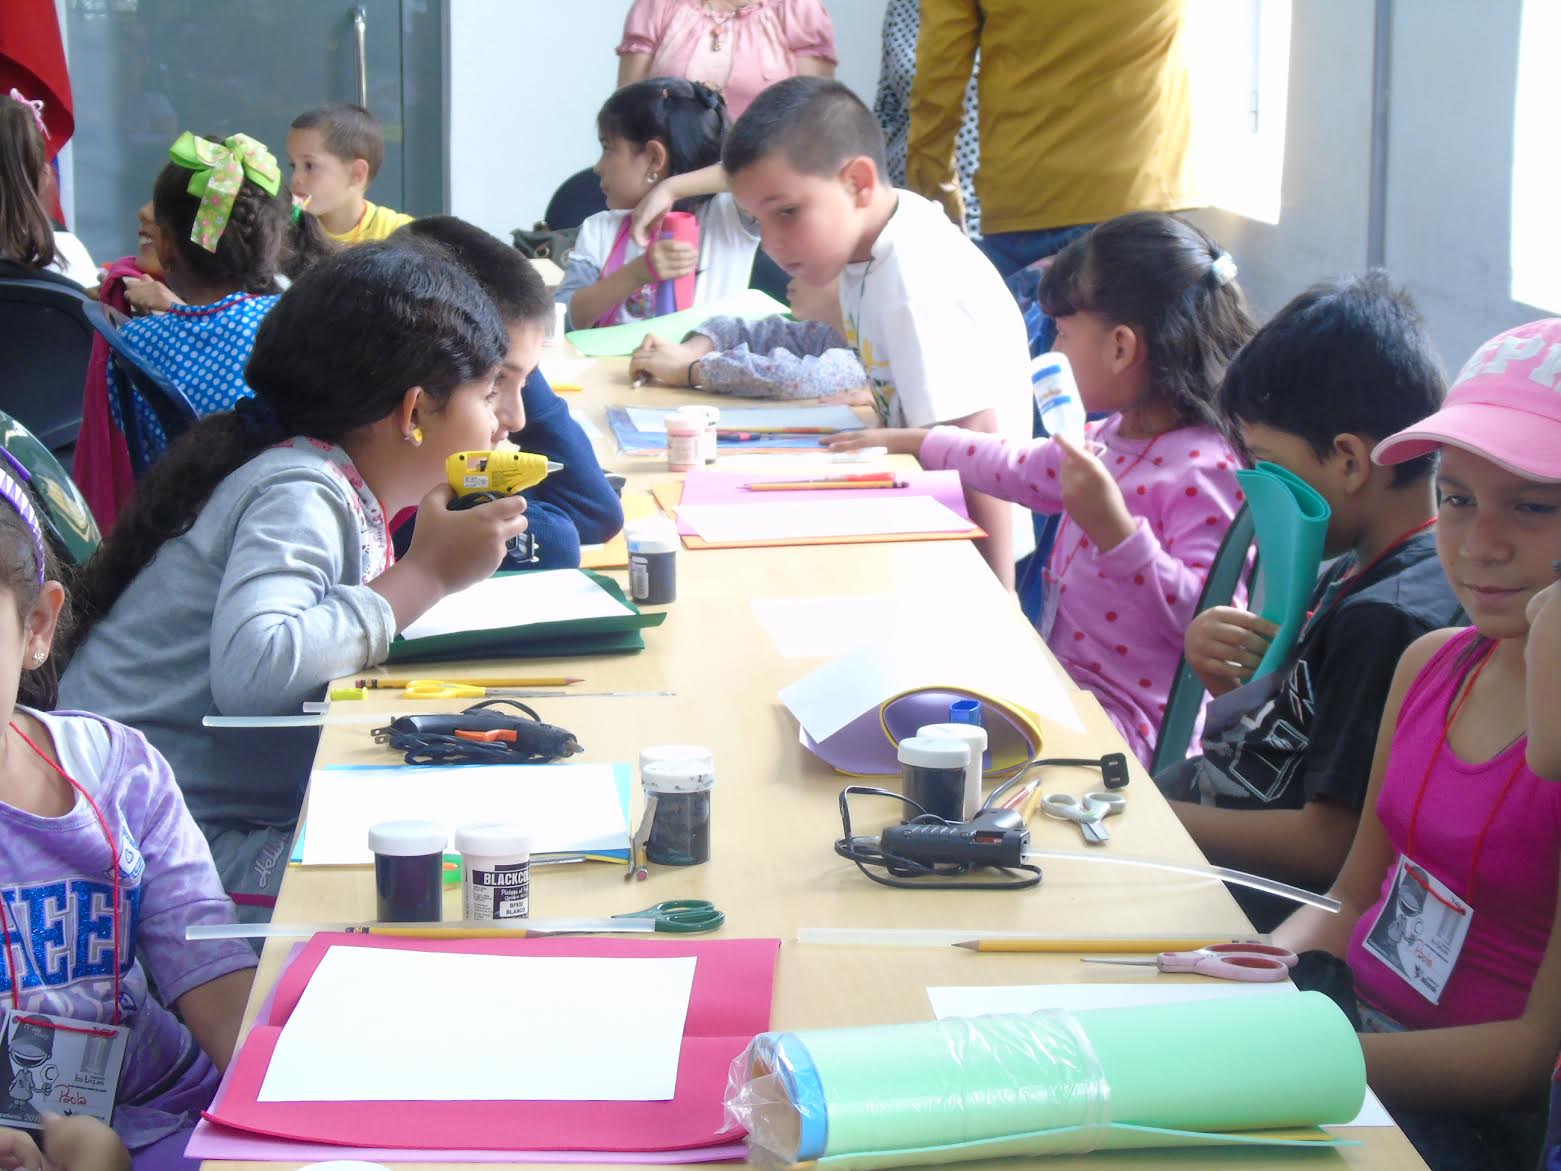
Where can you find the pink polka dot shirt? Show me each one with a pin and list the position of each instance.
(1120, 613)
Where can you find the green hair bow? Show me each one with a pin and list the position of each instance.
(219, 169)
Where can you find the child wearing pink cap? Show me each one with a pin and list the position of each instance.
(1450, 890)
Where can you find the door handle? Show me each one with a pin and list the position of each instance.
(360, 29)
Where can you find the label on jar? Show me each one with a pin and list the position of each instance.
(639, 577)
(500, 892)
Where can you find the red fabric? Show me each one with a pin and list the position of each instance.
(733, 985)
(102, 461)
(32, 60)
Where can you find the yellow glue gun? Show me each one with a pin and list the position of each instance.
(477, 477)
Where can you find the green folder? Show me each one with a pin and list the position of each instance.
(1290, 522)
(619, 634)
(619, 341)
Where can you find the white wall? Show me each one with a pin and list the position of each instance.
(1449, 164)
(527, 77)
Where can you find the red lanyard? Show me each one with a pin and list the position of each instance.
(1355, 578)
(1501, 799)
(7, 924)
(1057, 545)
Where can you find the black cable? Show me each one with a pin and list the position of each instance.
(907, 873)
(1099, 762)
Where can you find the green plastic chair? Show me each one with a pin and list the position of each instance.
(1219, 587)
(64, 510)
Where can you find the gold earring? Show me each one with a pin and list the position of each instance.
(416, 437)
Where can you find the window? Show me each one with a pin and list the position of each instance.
(1238, 52)
(1536, 166)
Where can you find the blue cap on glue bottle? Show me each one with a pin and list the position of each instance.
(966, 711)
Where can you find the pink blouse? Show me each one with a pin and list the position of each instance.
(738, 53)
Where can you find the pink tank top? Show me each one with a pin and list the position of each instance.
(1513, 888)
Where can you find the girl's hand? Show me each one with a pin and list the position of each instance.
(668, 362)
(898, 440)
(669, 259)
(1092, 498)
(462, 547)
(149, 295)
(1225, 645)
(82, 1143)
(18, 1152)
(647, 213)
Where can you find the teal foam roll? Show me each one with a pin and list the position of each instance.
(1209, 1073)
(1290, 523)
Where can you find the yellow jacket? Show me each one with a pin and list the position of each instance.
(1085, 109)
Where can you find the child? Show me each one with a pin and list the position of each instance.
(1449, 891)
(336, 152)
(254, 565)
(75, 1143)
(577, 505)
(27, 237)
(101, 859)
(218, 217)
(649, 131)
(1148, 313)
(938, 335)
(1285, 760)
(1543, 652)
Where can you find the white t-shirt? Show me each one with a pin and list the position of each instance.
(727, 243)
(72, 260)
(937, 330)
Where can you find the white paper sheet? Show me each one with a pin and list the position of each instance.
(568, 371)
(566, 808)
(985, 1001)
(860, 517)
(975, 656)
(653, 420)
(520, 599)
(530, 1028)
(824, 628)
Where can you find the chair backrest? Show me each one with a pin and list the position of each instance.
(45, 345)
(1186, 698)
(168, 403)
(577, 198)
(67, 519)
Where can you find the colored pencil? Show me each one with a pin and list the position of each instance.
(396, 684)
(1107, 944)
(825, 485)
(778, 431)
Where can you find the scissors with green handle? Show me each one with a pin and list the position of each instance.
(680, 916)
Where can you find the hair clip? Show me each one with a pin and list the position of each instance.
(36, 106)
(1223, 270)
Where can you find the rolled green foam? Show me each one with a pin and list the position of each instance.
(1051, 1083)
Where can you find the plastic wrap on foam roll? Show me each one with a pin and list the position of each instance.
(917, 1093)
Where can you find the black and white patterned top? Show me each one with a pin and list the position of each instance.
(901, 27)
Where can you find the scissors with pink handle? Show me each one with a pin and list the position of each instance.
(1253, 962)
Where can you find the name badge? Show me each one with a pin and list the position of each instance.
(1420, 930)
(56, 1065)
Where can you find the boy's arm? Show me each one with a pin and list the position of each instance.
(658, 201)
(581, 491)
(1360, 879)
(945, 55)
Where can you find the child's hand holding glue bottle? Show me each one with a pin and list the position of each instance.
(1090, 495)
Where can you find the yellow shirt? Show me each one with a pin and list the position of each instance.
(1085, 109)
(374, 224)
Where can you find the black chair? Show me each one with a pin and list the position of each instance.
(45, 346)
(577, 199)
(168, 403)
(1186, 698)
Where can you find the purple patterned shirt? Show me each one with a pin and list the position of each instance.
(57, 894)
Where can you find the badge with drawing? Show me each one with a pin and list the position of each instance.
(56, 1065)
(1420, 930)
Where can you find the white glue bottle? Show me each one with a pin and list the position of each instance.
(1057, 396)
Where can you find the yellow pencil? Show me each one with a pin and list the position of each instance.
(1125, 946)
(395, 684)
(823, 485)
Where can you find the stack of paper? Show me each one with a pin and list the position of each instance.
(645, 428)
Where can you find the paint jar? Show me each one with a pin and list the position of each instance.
(974, 738)
(685, 440)
(932, 774)
(653, 569)
(554, 330)
(496, 871)
(677, 780)
(408, 871)
(712, 434)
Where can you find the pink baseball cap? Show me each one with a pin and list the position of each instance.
(1505, 405)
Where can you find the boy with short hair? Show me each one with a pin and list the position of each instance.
(336, 152)
(571, 507)
(935, 328)
(1286, 759)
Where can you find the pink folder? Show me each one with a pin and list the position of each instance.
(730, 1003)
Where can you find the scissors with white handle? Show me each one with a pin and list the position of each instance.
(1089, 814)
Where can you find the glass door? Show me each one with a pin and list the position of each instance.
(144, 70)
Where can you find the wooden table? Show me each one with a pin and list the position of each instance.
(773, 868)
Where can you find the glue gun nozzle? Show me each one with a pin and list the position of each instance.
(554, 468)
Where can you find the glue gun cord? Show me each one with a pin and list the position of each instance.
(1240, 877)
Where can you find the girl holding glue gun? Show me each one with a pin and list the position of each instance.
(254, 565)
